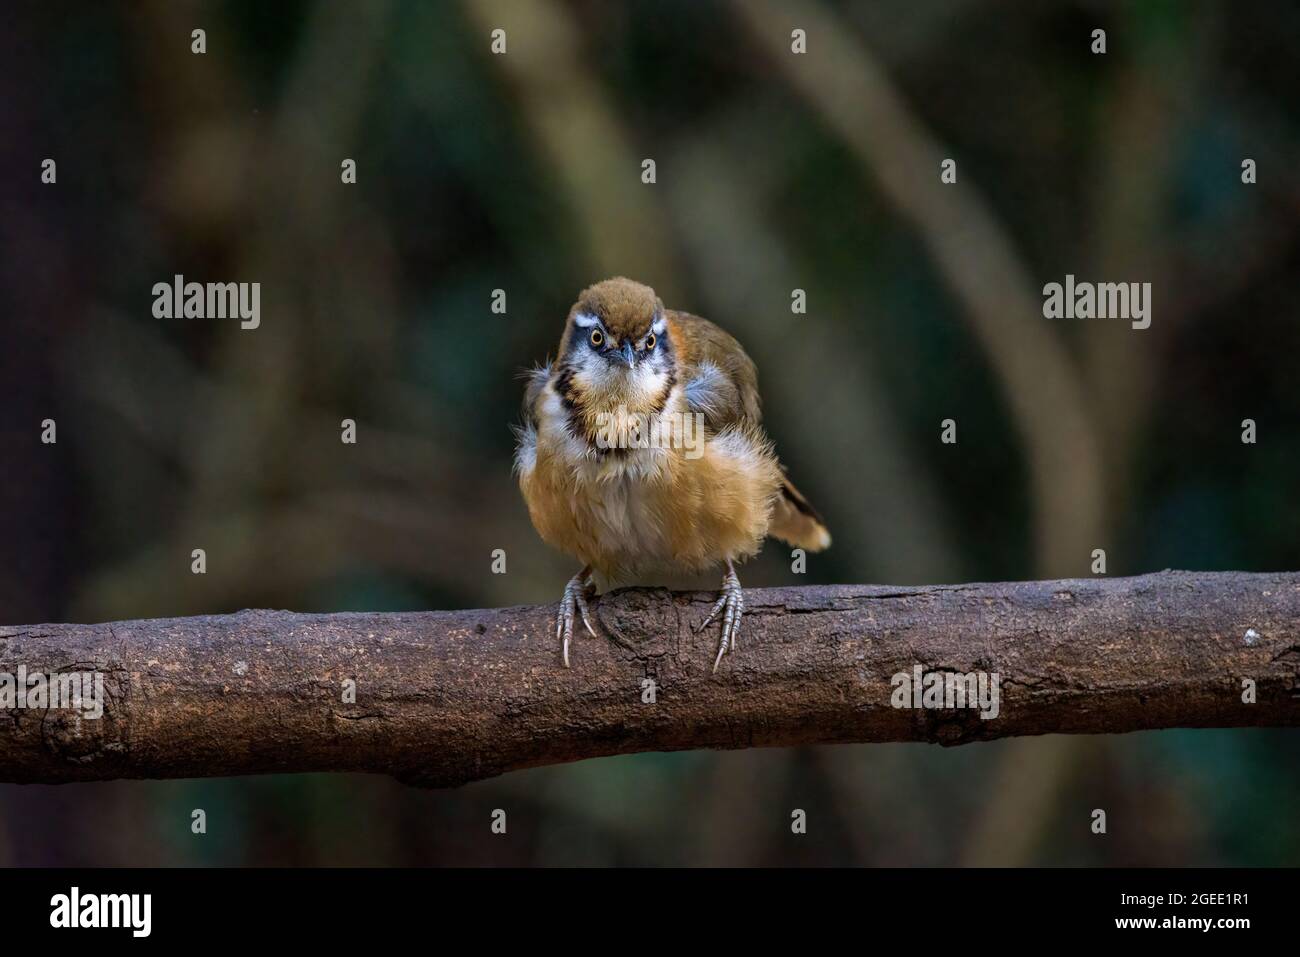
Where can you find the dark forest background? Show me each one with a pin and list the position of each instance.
(775, 172)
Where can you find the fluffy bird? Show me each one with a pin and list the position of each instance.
(642, 450)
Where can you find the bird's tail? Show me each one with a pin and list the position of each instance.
(796, 522)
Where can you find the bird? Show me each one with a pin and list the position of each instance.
(642, 450)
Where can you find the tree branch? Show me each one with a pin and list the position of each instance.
(447, 697)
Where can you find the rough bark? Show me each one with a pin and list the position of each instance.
(448, 697)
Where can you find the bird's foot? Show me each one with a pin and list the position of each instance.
(573, 605)
(731, 603)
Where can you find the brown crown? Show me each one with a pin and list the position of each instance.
(626, 308)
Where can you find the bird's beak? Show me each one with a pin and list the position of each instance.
(629, 355)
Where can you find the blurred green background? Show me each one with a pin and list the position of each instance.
(775, 172)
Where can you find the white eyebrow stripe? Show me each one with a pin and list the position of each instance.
(660, 326)
(586, 320)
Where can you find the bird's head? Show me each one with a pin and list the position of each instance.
(617, 347)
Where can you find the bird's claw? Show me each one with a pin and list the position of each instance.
(572, 606)
(732, 605)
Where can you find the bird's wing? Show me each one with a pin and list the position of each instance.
(536, 379)
(722, 383)
(721, 380)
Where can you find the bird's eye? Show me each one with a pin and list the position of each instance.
(597, 337)
(650, 341)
